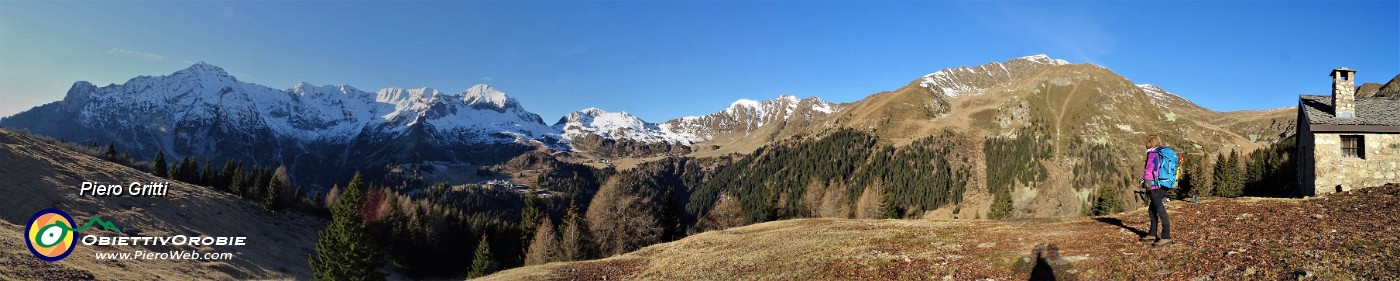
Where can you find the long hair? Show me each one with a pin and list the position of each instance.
(1153, 141)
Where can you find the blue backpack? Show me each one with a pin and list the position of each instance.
(1168, 164)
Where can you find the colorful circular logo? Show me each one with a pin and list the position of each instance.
(48, 234)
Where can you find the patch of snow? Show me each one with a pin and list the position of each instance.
(615, 125)
(1042, 58)
(1154, 91)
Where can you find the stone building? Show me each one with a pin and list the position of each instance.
(1346, 142)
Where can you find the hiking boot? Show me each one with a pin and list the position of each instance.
(1146, 238)
(1162, 243)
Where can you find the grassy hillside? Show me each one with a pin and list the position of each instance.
(39, 175)
(1342, 236)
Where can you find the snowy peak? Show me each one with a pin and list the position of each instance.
(205, 71)
(398, 96)
(1154, 91)
(970, 81)
(745, 116)
(1042, 59)
(784, 106)
(484, 96)
(614, 125)
(744, 103)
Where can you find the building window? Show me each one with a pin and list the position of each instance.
(1353, 146)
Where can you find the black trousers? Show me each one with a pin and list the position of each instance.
(1156, 211)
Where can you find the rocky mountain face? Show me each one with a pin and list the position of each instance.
(1082, 117)
(616, 125)
(319, 132)
(744, 120)
(1388, 90)
(761, 121)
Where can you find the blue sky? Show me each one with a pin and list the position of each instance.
(662, 60)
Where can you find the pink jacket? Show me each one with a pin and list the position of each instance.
(1149, 170)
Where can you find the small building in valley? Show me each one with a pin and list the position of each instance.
(1346, 142)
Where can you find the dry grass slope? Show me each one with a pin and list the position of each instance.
(1339, 237)
(38, 175)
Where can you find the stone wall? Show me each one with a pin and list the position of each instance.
(1381, 163)
(1343, 99)
(1307, 171)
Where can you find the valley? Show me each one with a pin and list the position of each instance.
(934, 170)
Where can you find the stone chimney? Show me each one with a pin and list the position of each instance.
(1343, 93)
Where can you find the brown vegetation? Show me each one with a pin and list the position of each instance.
(1341, 236)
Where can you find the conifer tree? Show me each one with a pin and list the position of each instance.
(226, 176)
(206, 177)
(254, 188)
(191, 168)
(174, 172)
(1221, 176)
(346, 249)
(1108, 202)
(1236, 174)
(158, 166)
(110, 153)
(671, 217)
(274, 189)
(530, 219)
(482, 263)
(236, 183)
(576, 237)
(1001, 204)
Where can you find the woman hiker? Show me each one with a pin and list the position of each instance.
(1155, 209)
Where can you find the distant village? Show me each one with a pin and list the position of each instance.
(508, 185)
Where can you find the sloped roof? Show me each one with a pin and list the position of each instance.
(1369, 111)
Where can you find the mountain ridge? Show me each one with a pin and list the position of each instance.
(203, 111)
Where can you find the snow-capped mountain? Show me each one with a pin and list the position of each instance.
(971, 81)
(745, 117)
(615, 125)
(203, 111)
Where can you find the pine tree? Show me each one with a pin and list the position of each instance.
(239, 178)
(545, 247)
(206, 177)
(110, 154)
(530, 219)
(576, 237)
(671, 217)
(397, 221)
(1221, 176)
(254, 188)
(346, 249)
(226, 176)
(1001, 204)
(274, 190)
(482, 263)
(158, 166)
(1236, 175)
(1107, 202)
(174, 172)
(191, 169)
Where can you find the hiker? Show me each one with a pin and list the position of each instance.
(1156, 192)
